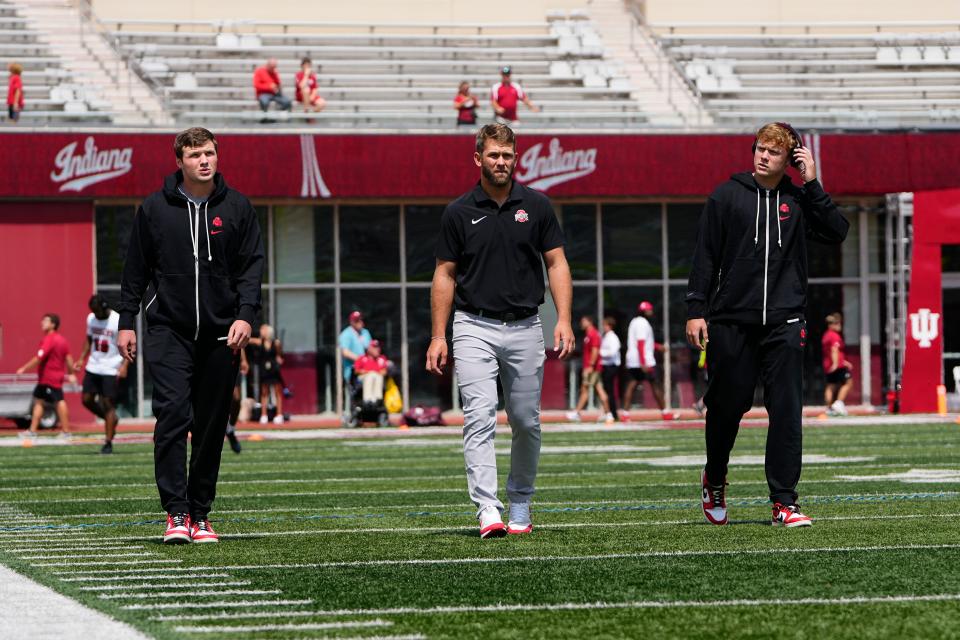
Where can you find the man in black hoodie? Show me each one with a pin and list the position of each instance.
(749, 281)
(196, 246)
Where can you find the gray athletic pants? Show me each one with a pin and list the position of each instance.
(482, 349)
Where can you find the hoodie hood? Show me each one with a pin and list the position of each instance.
(746, 179)
(173, 181)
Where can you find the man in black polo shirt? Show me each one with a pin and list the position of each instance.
(493, 242)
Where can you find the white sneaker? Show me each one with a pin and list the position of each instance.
(264, 419)
(520, 521)
(609, 419)
(839, 408)
(573, 416)
(278, 419)
(64, 435)
(491, 524)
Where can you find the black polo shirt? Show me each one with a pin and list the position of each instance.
(499, 250)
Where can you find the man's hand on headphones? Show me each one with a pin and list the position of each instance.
(808, 168)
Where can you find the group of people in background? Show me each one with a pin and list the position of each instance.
(505, 97)
(364, 364)
(269, 88)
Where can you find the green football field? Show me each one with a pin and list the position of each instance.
(373, 537)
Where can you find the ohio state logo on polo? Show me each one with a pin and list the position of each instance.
(521, 216)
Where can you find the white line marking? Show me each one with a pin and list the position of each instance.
(194, 594)
(636, 604)
(74, 556)
(85, 547)
(922, 476)
(310, 626)
(222, 604)
(30, 610)
(699, 460)
(572, 558)
(149, 585)
(112, 562)
(140, 576)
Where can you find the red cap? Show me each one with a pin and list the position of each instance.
(374, 343)
(645, 306)
(356, 315)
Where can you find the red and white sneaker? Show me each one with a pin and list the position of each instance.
(714, 501)
(178, 529)
(201, 531)
(789, 516)
(491, 524)
(520, 521)
(667, 414)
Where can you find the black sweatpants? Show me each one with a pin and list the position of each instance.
(609, 375)
(736, 356)
(192, 388)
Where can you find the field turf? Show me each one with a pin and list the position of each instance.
(375, 538)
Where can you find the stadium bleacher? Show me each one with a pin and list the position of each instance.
(397, 75)
(52, 93)
(835, 74)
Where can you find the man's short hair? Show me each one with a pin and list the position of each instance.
(498, 133)
(193, 137)
(54, 319)
(306, 61)
(610, 320)
(774, 134)
(835, 318)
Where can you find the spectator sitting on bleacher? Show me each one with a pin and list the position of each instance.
(266, 82)
(15, 92)
(466, 105)
(504, 98)
(306, 83)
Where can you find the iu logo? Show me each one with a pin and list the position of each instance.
(924, 327)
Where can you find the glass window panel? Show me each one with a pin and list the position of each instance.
(950, 257)
(688, 379)
(425, 388)
(381, 313)
(370, 244)
(114, 223)
(631, 241)
(877, 244)
(303, 241)
(579, 222)
(682, 223)
(422, 224)
(305, 326)
(836, 260)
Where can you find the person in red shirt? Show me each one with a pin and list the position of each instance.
(592, 368)
(306, 82)
(53, 362)
(504, 97)
(15, 91)
(371, 369)
(266, 82)
(466, 105)
(837, 369)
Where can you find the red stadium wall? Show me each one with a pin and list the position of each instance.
(48, 257)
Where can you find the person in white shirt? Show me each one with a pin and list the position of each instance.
(610, 358)
(105, 367)
(641, 361)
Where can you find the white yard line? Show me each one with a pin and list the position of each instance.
(565, 606)
(149, 585)
(75, 556)
(31, 610)
(86, 547)
(180, 575)
(190, 594)
(309, 626)
(221, 604)
(97, 563)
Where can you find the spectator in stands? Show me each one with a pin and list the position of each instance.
(306, 82)
(266, 82)
(15, 91)
(504, 98)
(466, 105)
(835, 367)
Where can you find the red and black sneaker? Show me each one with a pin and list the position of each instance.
(201, 531)
(789, 516)
(714, 501)
(178, 529)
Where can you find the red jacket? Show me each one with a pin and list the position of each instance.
(264, 79)
(16, 83)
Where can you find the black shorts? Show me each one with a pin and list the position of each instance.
(13, 115)
(47, 393)
(103, 386)
(639, 375)
(839, 376)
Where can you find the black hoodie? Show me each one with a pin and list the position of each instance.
(750, 264)
(203, 264)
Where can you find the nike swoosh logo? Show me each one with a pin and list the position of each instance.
(477, 220)
(213, 233)
(784, 218)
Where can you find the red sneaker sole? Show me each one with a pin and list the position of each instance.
(494, 531)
